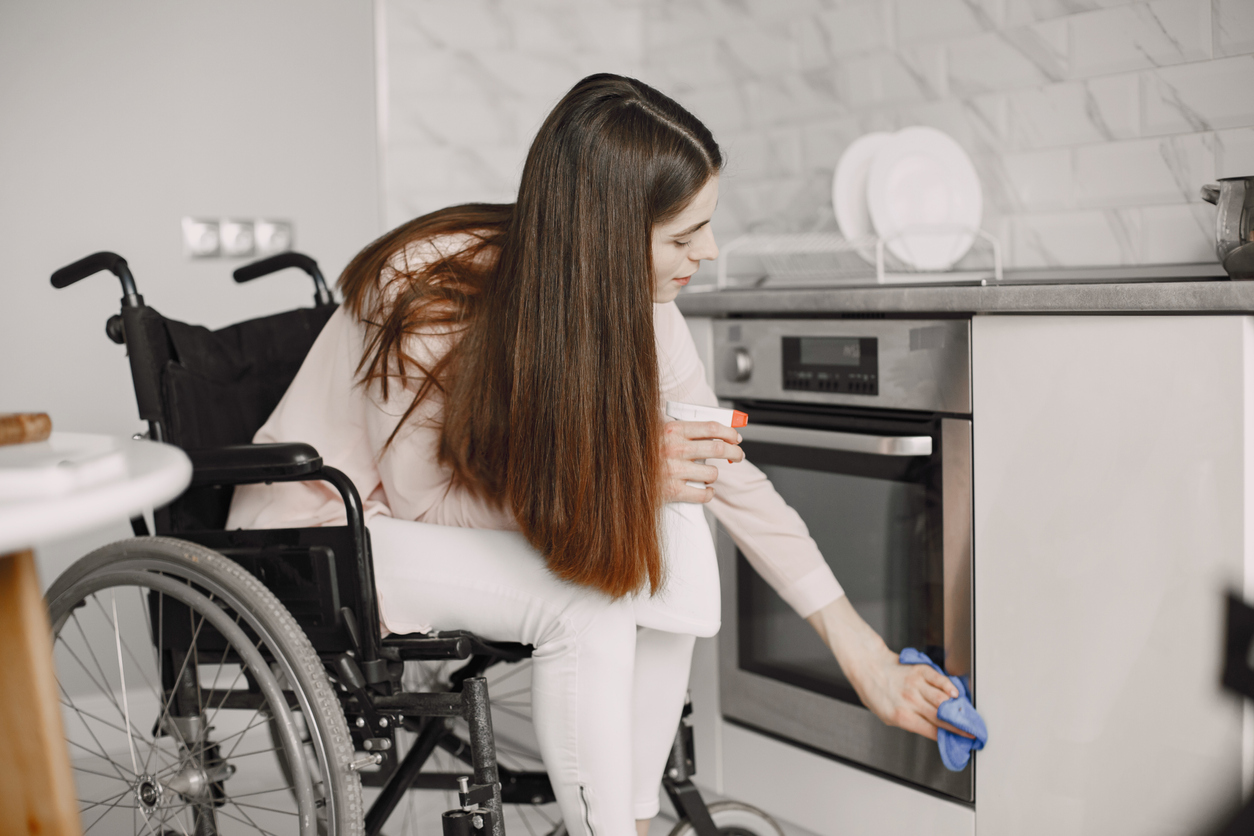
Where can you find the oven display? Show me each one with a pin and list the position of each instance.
(831, 351)
(846, 365)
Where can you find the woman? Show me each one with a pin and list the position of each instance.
(503, 368)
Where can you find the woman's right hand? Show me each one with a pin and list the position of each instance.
(906, 696)
(684, 443)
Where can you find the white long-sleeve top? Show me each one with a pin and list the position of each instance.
(349, 424)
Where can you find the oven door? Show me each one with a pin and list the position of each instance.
(887, 497)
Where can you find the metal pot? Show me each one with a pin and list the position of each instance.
(1234, 225)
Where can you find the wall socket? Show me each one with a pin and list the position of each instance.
(235, 237)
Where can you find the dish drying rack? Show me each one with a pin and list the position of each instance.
(825, 259)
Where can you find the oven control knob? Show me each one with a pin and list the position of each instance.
(739, 365)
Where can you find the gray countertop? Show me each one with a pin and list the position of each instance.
(1167, 289)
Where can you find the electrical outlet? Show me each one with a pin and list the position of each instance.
(272, 236)
(201, 238)
(237, 238)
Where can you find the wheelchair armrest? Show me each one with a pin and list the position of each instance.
(245, 463)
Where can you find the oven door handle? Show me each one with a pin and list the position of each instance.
(879, 445)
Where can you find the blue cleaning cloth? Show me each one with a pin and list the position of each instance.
(955, 750)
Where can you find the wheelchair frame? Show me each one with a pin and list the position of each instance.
(325, 577)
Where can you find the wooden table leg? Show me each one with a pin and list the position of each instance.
(36, 787)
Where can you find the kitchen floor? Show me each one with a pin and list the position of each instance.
(419, 815)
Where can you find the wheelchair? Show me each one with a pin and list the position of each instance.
(219, 682)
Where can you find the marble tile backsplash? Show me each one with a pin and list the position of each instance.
(469, 82)
(1092, 123)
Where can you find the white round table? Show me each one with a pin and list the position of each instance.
(52, 489)
(76, 481)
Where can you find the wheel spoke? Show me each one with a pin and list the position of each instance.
(77, 768)
(217, 673)
(106, 812)
(104, 689)
(128, 650)
(508, 694)
(227, 693)
(512, 712)
(98, 719)
(259, 807)
(165, 709)
(165, 819)
(222, 811)
(260, 721)
(288, 788)
(91, 804)
(102, 721)
(258, 752)
(119, 768)
(519, 667)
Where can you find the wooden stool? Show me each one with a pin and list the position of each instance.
(36, 786)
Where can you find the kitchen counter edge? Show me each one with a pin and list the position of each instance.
(1205, 296)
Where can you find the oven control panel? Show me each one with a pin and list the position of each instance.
(831, 364)
(887, 364)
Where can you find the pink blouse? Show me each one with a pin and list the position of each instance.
(349, 424)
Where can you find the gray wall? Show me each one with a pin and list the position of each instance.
(118, 119)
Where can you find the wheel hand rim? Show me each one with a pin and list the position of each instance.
(126, 706)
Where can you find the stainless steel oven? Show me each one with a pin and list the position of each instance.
(864, 427)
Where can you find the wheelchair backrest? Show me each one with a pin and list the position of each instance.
(214, 388)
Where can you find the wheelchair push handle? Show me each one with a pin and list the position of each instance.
(93, 264)
(275, 263)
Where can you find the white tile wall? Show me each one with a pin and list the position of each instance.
(470, 82)
(1140, 35)
(850, 29)
(1199, 97)
(1144, 171)
(1234, 152)
(990, 61)
(938, 20)
(1092, 123)
(1233, 26)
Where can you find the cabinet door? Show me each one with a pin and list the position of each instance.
(1112, 462)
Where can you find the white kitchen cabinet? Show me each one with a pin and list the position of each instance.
(1112, 510)
(1114, 506)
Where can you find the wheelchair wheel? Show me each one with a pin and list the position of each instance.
(735, 819)
(175, 665)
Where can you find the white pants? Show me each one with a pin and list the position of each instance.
(608, 677)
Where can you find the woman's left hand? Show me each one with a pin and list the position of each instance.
(685, 446)
(905, 696)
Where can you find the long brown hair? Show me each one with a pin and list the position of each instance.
(551, 398)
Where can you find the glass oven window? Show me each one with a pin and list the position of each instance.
(877, 521)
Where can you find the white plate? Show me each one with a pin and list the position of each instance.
(920, 179)
(849, 189)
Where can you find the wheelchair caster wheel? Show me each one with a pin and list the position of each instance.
(734, 819)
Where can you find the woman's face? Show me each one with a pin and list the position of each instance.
(680, 244)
